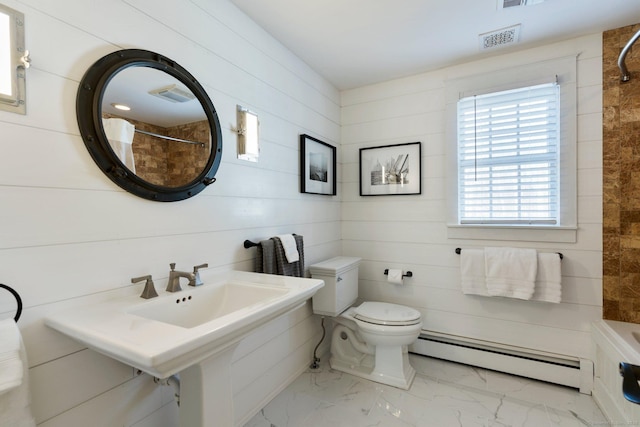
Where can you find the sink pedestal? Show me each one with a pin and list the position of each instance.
(206, 396)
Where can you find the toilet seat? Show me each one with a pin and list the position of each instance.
(387, 314)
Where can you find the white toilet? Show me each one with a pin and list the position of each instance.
(370, 340)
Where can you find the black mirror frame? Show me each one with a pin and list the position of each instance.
(89, 114)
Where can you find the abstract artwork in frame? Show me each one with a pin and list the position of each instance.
(317, 166)
(391, 170)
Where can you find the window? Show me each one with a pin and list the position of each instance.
(13, 61)
(508, 156)
(490, 199)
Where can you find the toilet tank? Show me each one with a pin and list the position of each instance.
(340, 289)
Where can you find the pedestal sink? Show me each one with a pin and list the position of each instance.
(193, 332)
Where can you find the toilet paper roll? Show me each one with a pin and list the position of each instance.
(394, 276)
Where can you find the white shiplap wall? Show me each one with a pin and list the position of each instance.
(410, 232)
(69, 237)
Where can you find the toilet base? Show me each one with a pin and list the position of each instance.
(390, 366)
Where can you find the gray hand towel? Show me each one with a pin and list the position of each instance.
(284, 268)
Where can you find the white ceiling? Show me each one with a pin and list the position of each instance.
(357, 42)
(131, 87)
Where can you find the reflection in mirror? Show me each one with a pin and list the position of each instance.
(156, 126)
(248, 138)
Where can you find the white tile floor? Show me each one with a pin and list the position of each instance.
(444, 394)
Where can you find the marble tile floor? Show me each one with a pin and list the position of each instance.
(443, 394)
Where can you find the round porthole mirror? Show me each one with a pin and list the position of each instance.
(149, 125)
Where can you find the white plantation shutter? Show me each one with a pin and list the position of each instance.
(508, 156)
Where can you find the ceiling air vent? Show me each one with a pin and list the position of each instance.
(172, 94)
(500, 38)
(503, 4)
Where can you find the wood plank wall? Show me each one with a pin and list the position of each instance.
(69, 236)
(410, 232)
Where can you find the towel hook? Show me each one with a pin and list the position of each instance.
(18, 300)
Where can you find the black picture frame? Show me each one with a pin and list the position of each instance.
(317, 166)
(391, 170)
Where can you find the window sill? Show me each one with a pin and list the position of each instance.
(513, 233)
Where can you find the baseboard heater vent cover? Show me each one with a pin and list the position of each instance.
(529, 363)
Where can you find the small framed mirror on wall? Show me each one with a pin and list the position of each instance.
(14, 61)
(248, 135)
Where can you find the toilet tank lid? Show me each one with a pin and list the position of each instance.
(386, 312)
(335, 265)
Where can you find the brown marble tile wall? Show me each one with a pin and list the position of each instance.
(186, 161)
(621, 178)
(168, 163)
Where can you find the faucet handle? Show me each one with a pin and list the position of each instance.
(197, 267)
(197, 281)
(149, 289)
(173, 266)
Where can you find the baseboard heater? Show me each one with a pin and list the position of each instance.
(558, 369)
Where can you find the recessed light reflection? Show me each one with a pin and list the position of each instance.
(121, 107)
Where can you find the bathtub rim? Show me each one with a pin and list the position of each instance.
(619, 337)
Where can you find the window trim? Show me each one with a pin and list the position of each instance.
(17, 101)
(565, 68)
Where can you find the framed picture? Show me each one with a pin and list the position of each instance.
(317, 166)
(391, 170)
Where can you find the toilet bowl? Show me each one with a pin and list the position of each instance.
(370, 340)
(375, 346)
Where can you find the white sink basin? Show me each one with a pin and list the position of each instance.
(167, 334)
(191, 309)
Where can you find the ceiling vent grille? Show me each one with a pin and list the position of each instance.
(172, 94)
(511, 3)
(500, 38)
(503, 4)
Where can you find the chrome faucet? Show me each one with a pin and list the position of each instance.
(196, 273)
(149, 290)
(174, 279)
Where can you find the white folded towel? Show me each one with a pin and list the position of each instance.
(472, 276)
(10, 361)
(549, 280)
(290, 247)
(15, 401)
(511, 272)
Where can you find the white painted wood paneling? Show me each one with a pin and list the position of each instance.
(410, 232)
(265, 387)
(273, 351)
(69, 374)
(70, 237)
(124, 405)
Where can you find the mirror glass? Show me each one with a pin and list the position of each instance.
(149, 125)
(248, 126)
(156, 126)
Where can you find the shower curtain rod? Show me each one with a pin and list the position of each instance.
(623, 67)
(170, 138)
